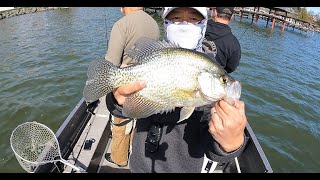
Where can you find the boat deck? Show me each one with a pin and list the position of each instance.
(98, 130)
(92, 160)
(92, 122)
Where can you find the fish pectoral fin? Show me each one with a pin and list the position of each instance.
(185, 113)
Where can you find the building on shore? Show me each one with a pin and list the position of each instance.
(7, 12)
(5, 8)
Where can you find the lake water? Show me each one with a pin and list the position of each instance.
(44, 59)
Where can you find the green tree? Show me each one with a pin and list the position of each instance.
(302, 13)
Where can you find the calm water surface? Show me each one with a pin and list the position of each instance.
(44, 59)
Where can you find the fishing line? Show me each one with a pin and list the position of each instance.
(239, 40)
(243, 33)
(106, 25)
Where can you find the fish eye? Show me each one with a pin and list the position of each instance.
(223, 79)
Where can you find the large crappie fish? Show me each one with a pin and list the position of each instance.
(175, 77)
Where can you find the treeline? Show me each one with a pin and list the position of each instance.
(302, 13)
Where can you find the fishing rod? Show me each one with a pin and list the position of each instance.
(106, 25)
(244, 32)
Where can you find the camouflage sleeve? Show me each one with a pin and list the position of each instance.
(114, 108)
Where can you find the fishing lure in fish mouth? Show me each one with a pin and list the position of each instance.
(176, 77)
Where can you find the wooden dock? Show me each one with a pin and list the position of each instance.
(275, 15)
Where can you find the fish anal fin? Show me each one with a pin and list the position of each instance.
(185, 113)
(136, 106)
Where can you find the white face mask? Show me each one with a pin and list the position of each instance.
(186, 35)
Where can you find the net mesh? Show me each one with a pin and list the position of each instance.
(34, 144)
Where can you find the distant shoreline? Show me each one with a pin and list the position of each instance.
(153, 10)
(25, 10)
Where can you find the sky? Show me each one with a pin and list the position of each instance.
(314, 9)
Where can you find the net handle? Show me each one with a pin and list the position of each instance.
(78, 169)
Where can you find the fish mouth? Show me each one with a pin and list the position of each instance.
(233, 92)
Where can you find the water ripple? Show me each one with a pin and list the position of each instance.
(44, 58)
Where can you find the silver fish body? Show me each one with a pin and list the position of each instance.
(175, 77)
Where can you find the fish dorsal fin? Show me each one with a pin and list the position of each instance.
(185, 113)
(145, 46)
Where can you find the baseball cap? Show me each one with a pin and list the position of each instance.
(201, 10)
(225, 10)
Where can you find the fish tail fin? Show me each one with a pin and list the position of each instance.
(101, 78)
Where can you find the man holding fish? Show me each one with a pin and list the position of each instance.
(187, 106)
(124, 34)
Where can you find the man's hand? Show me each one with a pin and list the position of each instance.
(122, 92)
(227, 124)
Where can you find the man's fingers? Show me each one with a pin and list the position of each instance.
(225, 106)
(216, 120)
(123, 91)
(132, 88)
(220, 110)
(212, 130)
(240, 105)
